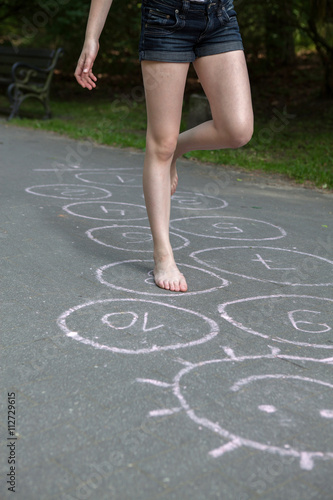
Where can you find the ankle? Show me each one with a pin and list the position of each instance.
(163, 255)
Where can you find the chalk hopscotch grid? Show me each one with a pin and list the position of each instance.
(319, 260)
(306, 458)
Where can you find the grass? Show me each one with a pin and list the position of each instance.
(297, 145)
(302, 150)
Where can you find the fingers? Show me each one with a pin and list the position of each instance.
(83, 73)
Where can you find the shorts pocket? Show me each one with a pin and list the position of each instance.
(162, 22)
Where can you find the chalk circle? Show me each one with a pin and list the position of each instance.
(269, 399)
(187, 200)
(69, 191)
(224, 227)
(272, 265)
(108, 211)
(136, 326)
(301, 320)
(131, 238)
(118, 178)
(138, 277)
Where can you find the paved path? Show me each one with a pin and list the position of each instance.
(125, 391)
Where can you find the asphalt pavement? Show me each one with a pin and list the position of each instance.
(115, 389)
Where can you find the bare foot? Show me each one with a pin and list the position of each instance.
(168, 276)
(173, 178)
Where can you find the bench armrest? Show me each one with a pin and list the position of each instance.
(22, 72)
(29, 70)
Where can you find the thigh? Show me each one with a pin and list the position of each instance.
(224, 78)
(164, 85)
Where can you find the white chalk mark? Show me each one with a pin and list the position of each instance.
(208, 222)
(306, 461)
(69, 191)
(254, 378)
(326, 413)
(132, 238)
(222, 310)
(158, 383)
(134, 212)
(267, 408)
(183, 362)
(207, 322)
(199, 273)
(186, 200)
(145, 320)
(297, 323)
(306, 458)
(117, 177)
(166, 411)
(150, 279)
(83, 170)
(264, 262)
(301, 270)
(329, 361)
(60, 169)
(137, 237)
(105, 320)
(231, 446)
(108, 211)
(227, 227)
(229, 352)
(275, 350)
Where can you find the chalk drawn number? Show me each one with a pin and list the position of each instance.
(227, 227)
(108, 210)
(150, 280)
(186, 200)
(115, 320)
(296, 323)
(265, 263)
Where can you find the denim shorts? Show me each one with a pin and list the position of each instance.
(182, 30)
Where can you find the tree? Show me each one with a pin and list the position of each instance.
(319, 28)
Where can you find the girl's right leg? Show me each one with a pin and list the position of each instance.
(164, 89)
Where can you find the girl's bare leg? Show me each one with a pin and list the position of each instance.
(164, 88)
(224, 78)
(225, 81)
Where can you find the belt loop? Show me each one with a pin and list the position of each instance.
(186, 6)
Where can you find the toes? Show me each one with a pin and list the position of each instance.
(160, 283)
(166, 285)
(176, 286)
(183, 285)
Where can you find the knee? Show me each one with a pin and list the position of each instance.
(241, 135)
(162, 149)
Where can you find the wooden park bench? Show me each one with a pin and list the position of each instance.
(27, 73)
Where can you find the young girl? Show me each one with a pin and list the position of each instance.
(175, 33)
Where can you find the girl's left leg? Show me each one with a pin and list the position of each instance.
(225, 80)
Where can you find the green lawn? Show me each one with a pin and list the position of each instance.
(299, 146)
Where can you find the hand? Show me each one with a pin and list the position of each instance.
(83, 72)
